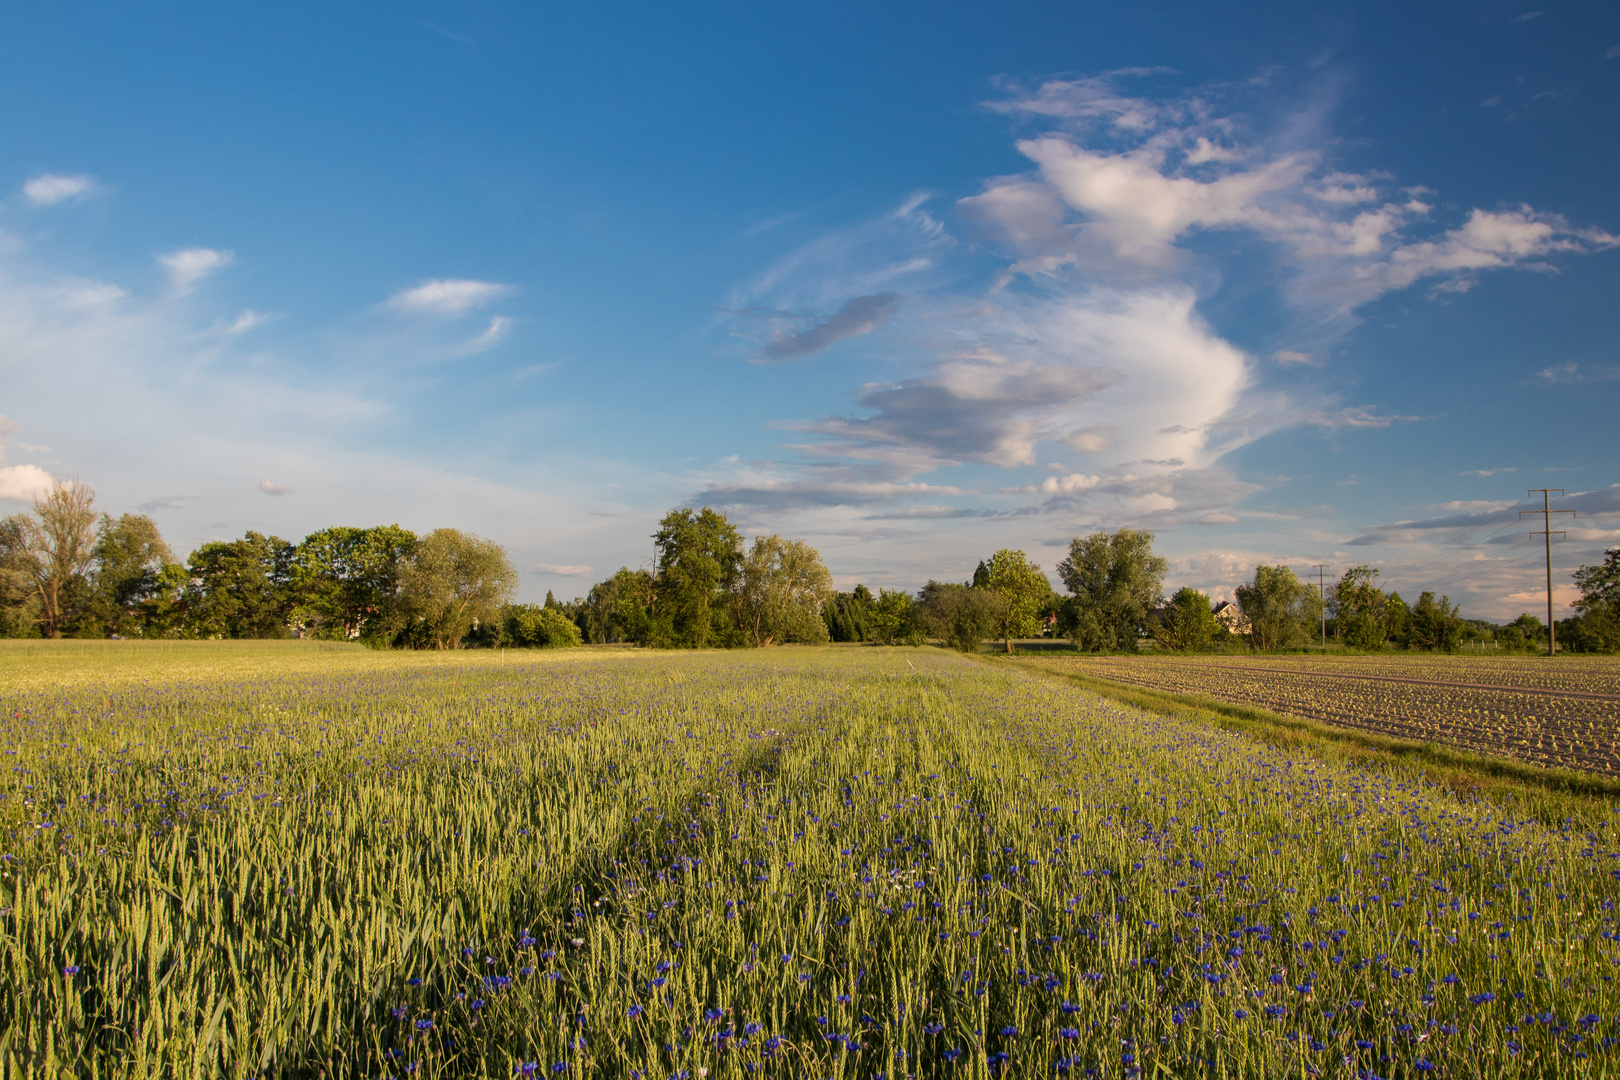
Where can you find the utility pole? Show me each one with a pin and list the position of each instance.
(1321, 588)
(1546, 532)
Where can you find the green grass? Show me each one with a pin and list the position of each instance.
(233, 860)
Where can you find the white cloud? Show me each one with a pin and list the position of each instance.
(1470, 506)
(1090, 341)
(1058, 485)
(447, 296)
(1293, 358)
(23, 482)
(247, 320)
(190, 265)
(1488, 472)
(492, 336)
(1124, 205)
(562, 570)
(270, 488)
(1580, 373)
(48, 189)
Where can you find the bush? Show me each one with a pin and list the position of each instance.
(960, 616)
(530, 626)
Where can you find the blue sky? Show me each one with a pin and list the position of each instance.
(1284, 283)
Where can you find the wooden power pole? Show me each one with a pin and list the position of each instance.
(1547, 533)
(1321, 589)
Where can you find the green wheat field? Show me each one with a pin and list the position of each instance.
(289, 859)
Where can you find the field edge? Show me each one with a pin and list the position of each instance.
(1550, 795)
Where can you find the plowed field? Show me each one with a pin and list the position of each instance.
(1563, 713)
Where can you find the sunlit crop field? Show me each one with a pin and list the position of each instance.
(1563, 713)
(806, 863)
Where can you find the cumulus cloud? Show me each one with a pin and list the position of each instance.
(1134, 373)
(447, 296)
(562, 569)
(860, 315)
(1089, 341)
(270, 488)
(1058, 485)
(190, 265)
(22, 482)
(48, 189)
(1166, 170)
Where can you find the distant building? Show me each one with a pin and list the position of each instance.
(1228, 615)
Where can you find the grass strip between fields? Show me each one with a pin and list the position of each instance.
(1548, 794)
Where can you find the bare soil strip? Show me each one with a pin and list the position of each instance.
(1313, 673)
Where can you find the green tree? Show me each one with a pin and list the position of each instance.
(959, 615)
(535, 626)
(1599, 603)
(1187, 623)
(59, 542)
(1114, 580)
(19, 595)
(698, 558)
(1435, 624)
(894, 620)
(128, 557)
(848, 615)
(346, 581)
(239, 588)
(1525, 632)
(1281, 609)
(1022, 586)
(453, 580)
(1360, 609)
(1399, 616)
(780, 589)
(619, 609)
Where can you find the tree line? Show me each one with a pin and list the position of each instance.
(67, 571)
